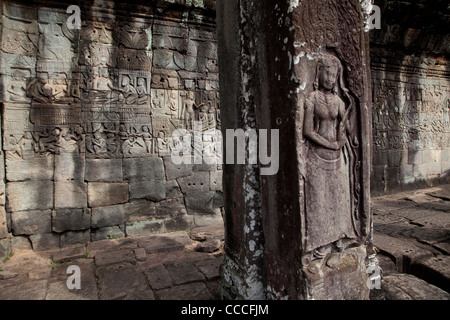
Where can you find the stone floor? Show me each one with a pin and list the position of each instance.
(412, 237)
(411, 234)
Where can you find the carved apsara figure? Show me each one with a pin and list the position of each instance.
(327, 177)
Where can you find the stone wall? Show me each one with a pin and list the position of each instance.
(88, 117)
(411, 93)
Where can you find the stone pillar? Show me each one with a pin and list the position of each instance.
(302, 68)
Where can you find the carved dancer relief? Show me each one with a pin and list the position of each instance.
(329, 182)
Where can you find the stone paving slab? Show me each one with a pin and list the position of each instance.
(412, 234)
(402, 286)
(435, 270)
(164, 266)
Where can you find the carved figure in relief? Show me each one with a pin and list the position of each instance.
(40, 90)
(162, 143)
(211, 118)
(148, 138)
(188, 113)
(203, 116)
(328, 201)
(27, 146)
(17, 91)
(158, 99)
(141, 91)
(172, 103)
(98, 143)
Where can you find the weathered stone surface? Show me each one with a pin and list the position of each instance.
(71, 238)
(154, 190)
(143, 168)
(177, 223)
(403, 286)
(402, 251)
(166, 242)
(158, 277)
(58, 290)
(170, 208)
(120, 281)
(106, 194)
(71, 219)
(210, 268)
(194, 291)
(31, 290)
(200, 202)
(4, 275)
(209, 246)
(434, 270)
(29, 195)
(117, 256)
(46, 241)
(348, 268)
(3, 226)
(107, 170)
(31, 222)
(110, 245)
(69, 253)
(140, 210)
(70, 194)
(174, 171)
(198, 182)
(215, 180)
(140, 254)
(183, 272)
(142, 228)
(39, 168)
(107, 216)
(69, 166)
(173, 189)
(113, 232)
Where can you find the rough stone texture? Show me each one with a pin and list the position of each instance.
(29, 169)
(407, 287)
(140, 210)
(45, 241)
(70, 194)
(284, 67)
(106, 194)
(107, 170)
(31, 222)
(29, 195)
(71, 219)
(90, 116)
(107, 233)
(434, 270)
(403, 252)
(69, 166)
(107, 216)
(171, 241)
(410, 91)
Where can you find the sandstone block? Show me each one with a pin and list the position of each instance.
(143, 168)
(107, 216)
(154, 190)
(31, 222)
(106, 170)
(70, 194)
(69, 166)
(37, 168)
(29, 195)
(105, 194)
(198, 182)
(71, 219)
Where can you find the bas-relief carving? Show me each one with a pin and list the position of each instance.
(328, 178)
(107, 101)
(410, 115)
